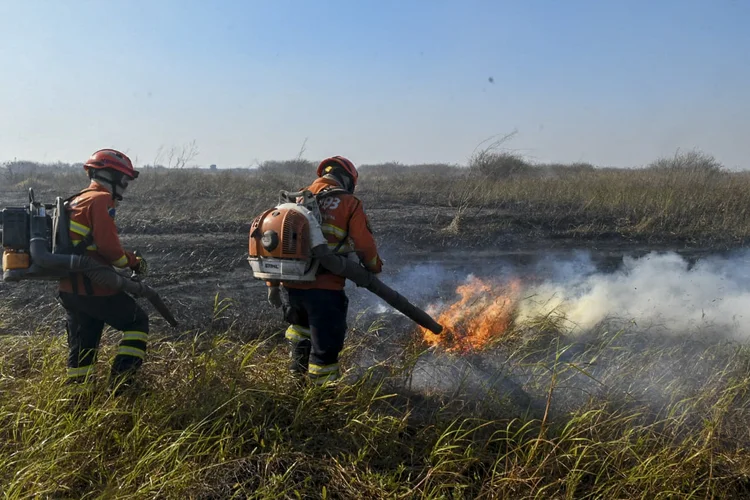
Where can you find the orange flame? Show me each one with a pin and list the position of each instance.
(482, 313)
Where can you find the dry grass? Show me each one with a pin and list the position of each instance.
(621, 413)
(689, 198)
(222, 419)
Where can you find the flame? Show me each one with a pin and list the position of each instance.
(482, 313)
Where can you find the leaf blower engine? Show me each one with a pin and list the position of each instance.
(36, 242)
(287, 244)
(37, 246)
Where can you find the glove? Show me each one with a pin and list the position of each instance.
(142, 268)
(274, 296)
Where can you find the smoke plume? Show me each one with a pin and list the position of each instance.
(645, 320)
(660, 291)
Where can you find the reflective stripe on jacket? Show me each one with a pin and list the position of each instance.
(347, 229)
(94, 210)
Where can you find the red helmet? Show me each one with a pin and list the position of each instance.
(110, 158)
(339, 161)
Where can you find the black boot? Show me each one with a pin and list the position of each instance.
(120, 383)
(300, 356)
(122, 377)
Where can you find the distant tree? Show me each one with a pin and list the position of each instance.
(177, 157)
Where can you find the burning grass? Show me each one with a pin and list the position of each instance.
(482, 313)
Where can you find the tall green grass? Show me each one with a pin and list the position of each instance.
(619, 414)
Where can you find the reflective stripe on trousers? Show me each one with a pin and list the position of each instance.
(133, 344)
(81, 374)
(322, 374)
(297, 333)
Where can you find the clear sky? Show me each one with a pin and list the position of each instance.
(612, 82)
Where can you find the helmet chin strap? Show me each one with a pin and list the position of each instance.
(114, 181)
(343, 180)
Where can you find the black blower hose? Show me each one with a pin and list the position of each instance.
(98, 273)
(342, 266)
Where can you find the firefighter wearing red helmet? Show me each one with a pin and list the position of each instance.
(88, 305)
(317, 310)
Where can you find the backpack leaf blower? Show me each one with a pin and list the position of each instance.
(36, 246)
(287, 244)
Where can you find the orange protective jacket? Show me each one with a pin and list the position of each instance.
(93, 212)
(347, 229)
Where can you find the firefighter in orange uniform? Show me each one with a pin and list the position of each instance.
(89, 306)
(317, 310)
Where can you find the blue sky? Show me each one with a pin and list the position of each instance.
(609, 82)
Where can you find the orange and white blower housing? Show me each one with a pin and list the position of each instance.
(282, 239)
(287, 244)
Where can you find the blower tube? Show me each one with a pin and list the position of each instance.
(98, 273)
(342, 266)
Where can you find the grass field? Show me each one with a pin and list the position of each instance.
(221, 419)
(688, 199)
(617, 411)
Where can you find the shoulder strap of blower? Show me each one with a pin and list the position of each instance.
(330, 192)
(80, 248)
(79, 193)
(87, 240)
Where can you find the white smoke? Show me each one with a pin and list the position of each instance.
(659, 291)
(664, 294)
(418, 283)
